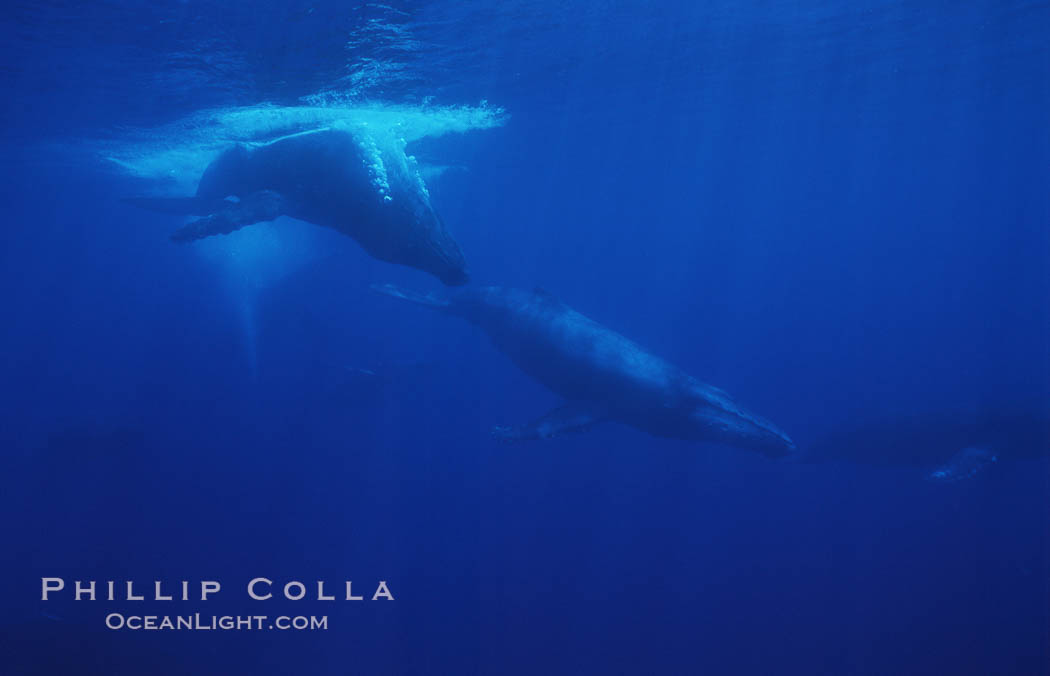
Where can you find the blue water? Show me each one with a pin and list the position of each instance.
(833, 210)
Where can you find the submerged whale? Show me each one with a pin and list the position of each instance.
(333, 178)
(602, 375)
(947, 446)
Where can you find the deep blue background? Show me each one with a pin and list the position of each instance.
(832, 210)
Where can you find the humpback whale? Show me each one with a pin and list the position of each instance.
(947, 446)
(333, 178)
(602, 375)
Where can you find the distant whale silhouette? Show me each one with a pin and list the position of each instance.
(602, 375)
(337, 179)
(948, 446)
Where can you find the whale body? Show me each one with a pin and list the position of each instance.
(333, 178)
(948, 446)
(602, 375)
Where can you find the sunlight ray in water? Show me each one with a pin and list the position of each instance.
(251, 260)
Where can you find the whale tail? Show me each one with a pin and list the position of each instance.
(417, 297)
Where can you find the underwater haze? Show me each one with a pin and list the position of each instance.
(836, 211)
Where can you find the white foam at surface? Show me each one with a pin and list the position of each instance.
(175, 155)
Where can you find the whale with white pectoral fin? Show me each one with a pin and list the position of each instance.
(946, 446)
(602, 375)
(340, 179)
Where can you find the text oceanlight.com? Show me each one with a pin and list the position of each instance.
(198, 622)
(259, 589)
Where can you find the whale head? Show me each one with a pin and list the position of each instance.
(715, 416)
(747, 431)
(766, 438)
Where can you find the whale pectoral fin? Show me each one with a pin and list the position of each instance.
(963, 465)
(264, 205)
(571, 418)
